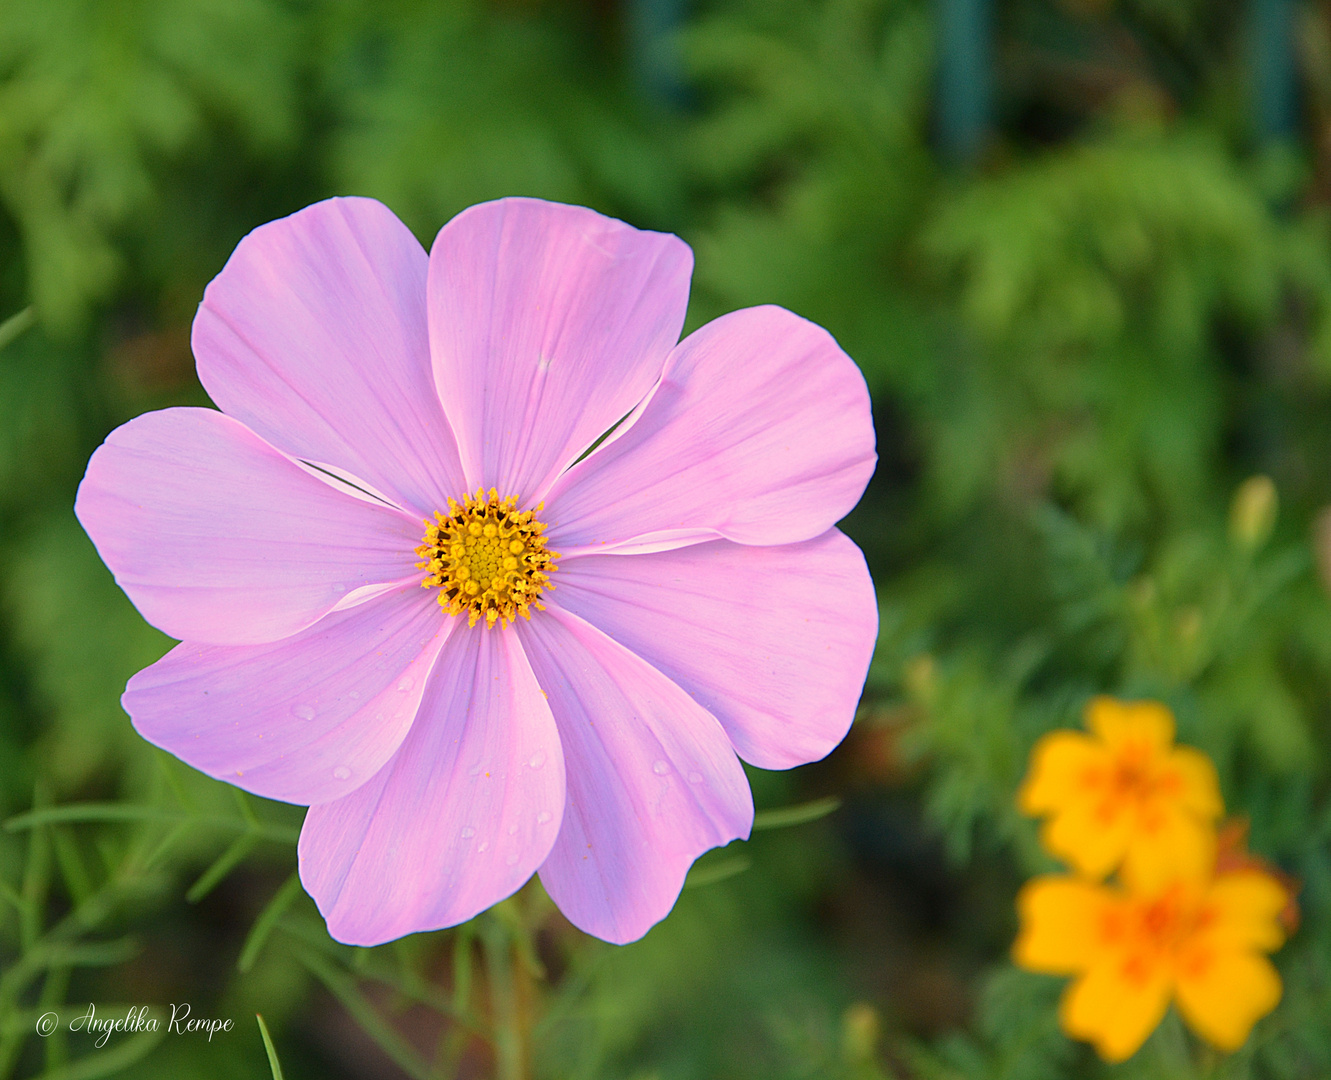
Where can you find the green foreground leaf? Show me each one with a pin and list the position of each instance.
(269, 1048)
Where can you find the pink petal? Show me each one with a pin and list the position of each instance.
(652, 780)
(305, 719)
(759, 432)
(459, 819)
(548, 324)
(314, 335)
(218, 538)
(773, 641)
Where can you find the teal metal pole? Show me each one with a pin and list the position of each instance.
(965, 78)
(652, 26)
(1274, 71)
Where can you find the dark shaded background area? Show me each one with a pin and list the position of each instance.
(1080, 249)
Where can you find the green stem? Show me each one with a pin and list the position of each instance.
(502, 961)
(455, 1036)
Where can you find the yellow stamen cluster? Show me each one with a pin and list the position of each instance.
(487, 559)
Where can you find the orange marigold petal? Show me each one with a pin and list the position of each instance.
(1222, 999)
(1244, 909)
(1167, 843)
(1062, 763)
(1199, 785)
(1115, 1007)
(1092, 842)
(1060, 924)
(1117, 722)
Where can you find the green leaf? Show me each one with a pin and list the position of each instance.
(700, 876)
(72, 870)
(88, 812)
(269, 1048)
(7, 891)
(173, 837)
(343, 987)
(784, 817)
(370, 964)
(14, 326)
(263, 925)
(223, 865)
(90, 954)
(108, 1062)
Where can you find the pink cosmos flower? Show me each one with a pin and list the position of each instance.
(406, 598)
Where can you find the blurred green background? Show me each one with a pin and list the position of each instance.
(1081, 250)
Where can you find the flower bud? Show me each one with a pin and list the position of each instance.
(1252, 514)
(859, 1033)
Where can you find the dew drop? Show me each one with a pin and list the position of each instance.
(482, 845)
(341, 772)
(354, 695)
(537, 759)
(475, 770)
(660, 768)
(512, 830)
(468, 833)
(542, 817)
(303, 712)
(339, 587)
(405, 683)
(695, 778)
(512, 860)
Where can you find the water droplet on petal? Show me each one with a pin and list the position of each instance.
(341, 772)
(405, 683)
(695, 778)
(475, 770)
(542, 817)
(303, 712)
(482, 845)
(468, 833)
(537, 759)
(339, 587)
(660, 768)
(512, 860)
(354, 695)
(512, 830)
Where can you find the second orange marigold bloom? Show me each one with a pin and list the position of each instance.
(1199, 943)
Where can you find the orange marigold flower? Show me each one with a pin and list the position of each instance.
(1196, 943)
(1124, 794)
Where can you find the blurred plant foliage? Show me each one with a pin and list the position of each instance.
(1081, 349)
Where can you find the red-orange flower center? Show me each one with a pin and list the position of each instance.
(1131, 779)
(1162, 930)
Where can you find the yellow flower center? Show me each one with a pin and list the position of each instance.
(487, 559)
